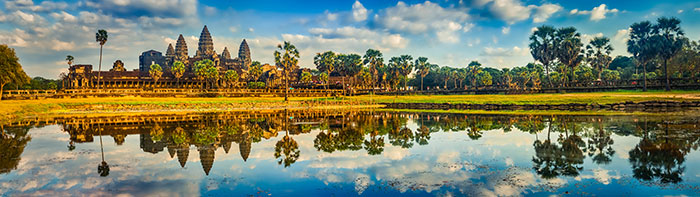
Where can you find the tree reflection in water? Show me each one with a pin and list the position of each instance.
(561, 143)
(12, 143)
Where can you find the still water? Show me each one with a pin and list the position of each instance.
(352, 153)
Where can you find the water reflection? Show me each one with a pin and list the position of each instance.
(564, 146)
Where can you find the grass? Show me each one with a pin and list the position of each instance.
(11, 109)
(532, 99)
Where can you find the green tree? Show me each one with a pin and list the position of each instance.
(202, 70)
(404, 66)
(306, 77)
(231, 77)
(69, 59)
(349, 65)
(485, 79)
(10, 69)
(543, 47)
(598, 52)
(375, 61)
(446, 74)
(473, 70)
(287, 60)
(423, 67)
(178, 70)
(100, 37)
(669, 41)
(641, 47)
(325, 62)
(324, 79)
(255, 71)
(569, 48)
(155, 72)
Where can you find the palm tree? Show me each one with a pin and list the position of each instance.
(669, 41)
(178, 70)
(446, 74)
(324, 79)
(306, 77)
(640, 45)
(231, 76)
(474, 68)
(599, 50)
(373, 58)
(100, 37)
(404, 65)
(569, 47)
(255, 71)
(155, 72)
(423, 68)
(325, 62)
(286, 61)
(542, 47)
(70, 59)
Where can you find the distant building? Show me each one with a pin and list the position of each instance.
(150, 57)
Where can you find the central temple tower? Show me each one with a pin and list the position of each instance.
(206, 44)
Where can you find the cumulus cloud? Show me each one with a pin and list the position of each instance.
(510, 11)
(543, 12)
(359, 12)
(597, 14)
(445, 23)
(138, 8)
(28, 5)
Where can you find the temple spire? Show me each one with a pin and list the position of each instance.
(226, 55)
(171, 51)
(181, 49)
(206, 44)
(244, 54)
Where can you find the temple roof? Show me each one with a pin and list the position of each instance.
(170, 52)
(226, 54)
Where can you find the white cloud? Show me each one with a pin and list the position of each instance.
(597, 14)
(251, 29)
(696, 9)
(64, 16)
(510, 11)
(138, 8)
(679, 11)
(505, 30)
(543, 12)
(444, 23)
(331, 16)
(28, 5)
(586, 38)
(233, 29)
(505, 57)
(359, 12)
(58, 45)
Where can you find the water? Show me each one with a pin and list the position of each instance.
(352, 153)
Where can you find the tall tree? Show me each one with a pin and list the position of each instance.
(543, 47)
(255, 71)
(569, 48)
(155, 72)
(598, 52)
(473, 70)
(445, 74)
(69, 59)
(404, 65)
(669, 41)
(100, 37)
(306, 77)
(287, 59)
(178, 70)
(325, 62)
(231, 77)
(10, 69)
(423, 67)
(349, 65)
(640, 45)
(375, 61)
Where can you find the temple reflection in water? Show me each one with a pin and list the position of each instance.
(562, 144)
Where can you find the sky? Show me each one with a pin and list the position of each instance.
(447, 32)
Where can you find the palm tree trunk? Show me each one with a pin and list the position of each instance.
(286, 87)
(645, 76)
(668, 85)
(421, 82)
(549, 80)
(1, 86)
(99, 69)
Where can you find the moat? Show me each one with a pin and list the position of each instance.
(348, 153)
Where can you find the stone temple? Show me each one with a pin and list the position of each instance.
(82, 76)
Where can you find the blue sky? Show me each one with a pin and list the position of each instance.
(451, 33)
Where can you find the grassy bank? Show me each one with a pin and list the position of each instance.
(13, 109)
(536, 99)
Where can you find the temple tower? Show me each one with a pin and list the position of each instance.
(170, 52)
(225, 55)
(244, 54)
(206, 44)
(181, 49)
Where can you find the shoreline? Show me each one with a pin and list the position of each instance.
(607, 103)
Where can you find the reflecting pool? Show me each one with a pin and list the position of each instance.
(348, 153)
